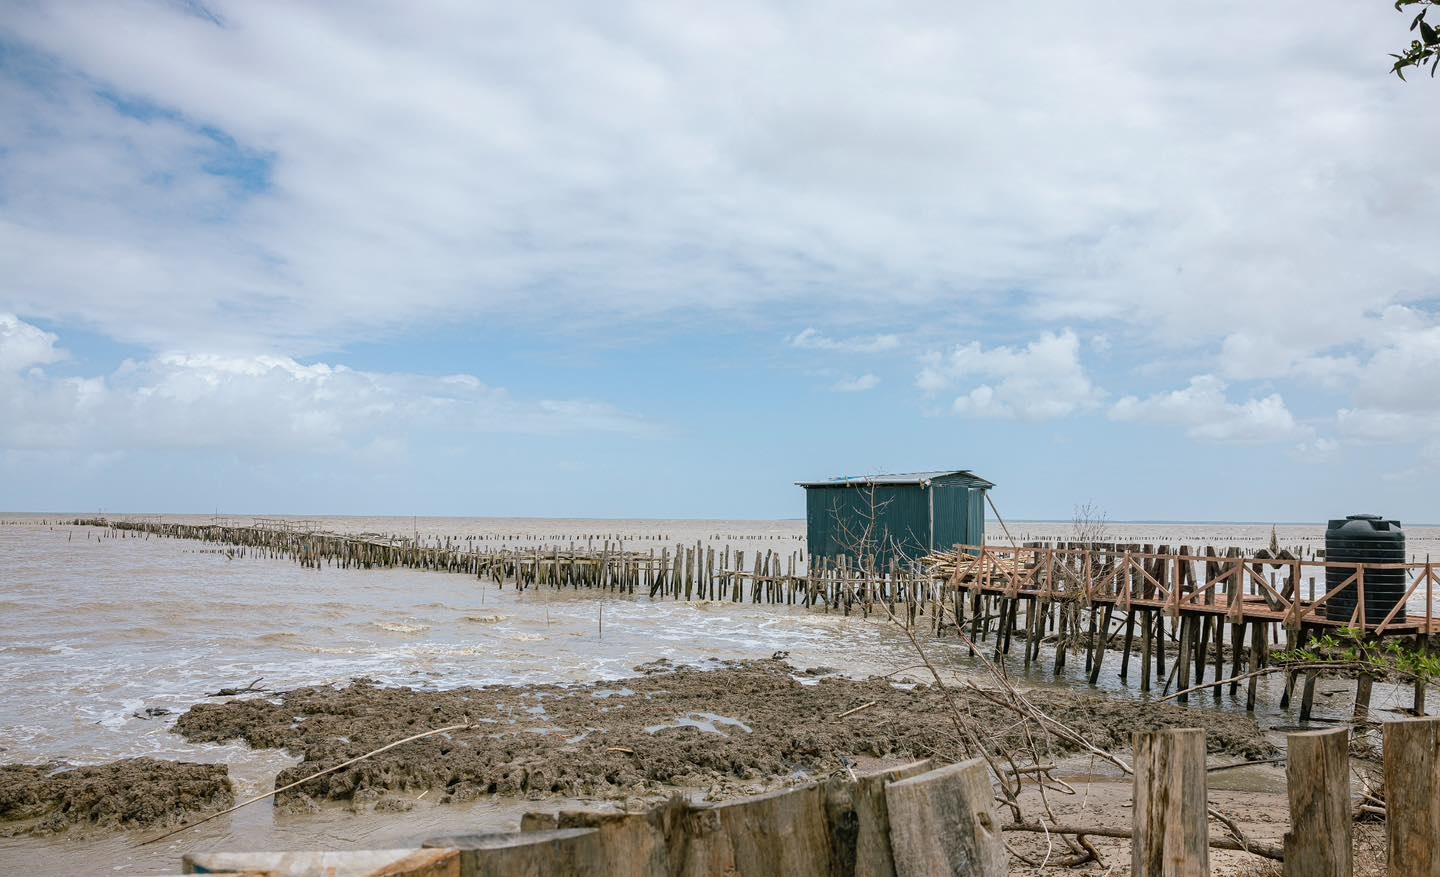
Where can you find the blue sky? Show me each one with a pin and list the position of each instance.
(663, 260)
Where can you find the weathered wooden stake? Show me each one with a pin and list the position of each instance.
(1412, 797)
(1317, 774)
(943, 823)
(1171, 835)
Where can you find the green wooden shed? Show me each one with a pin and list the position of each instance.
(903, 516)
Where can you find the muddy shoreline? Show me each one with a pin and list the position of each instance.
(132, 793)
(725, 730)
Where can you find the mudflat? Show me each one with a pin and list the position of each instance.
(127, 794)
(730, 729)
(723, 730)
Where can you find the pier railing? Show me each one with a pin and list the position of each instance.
(1234, 586)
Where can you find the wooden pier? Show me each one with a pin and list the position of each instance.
(1186, 615)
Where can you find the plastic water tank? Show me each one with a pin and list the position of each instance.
(1365, 539)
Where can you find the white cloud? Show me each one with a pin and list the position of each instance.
(1040, 381)
(1317, 450)
(658, 162)
(249, 404)
(857, 385)
(23, 345)
(1205, 412)
(812, 339)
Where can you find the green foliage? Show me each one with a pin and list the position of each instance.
(1350, 648)
(1422, 51)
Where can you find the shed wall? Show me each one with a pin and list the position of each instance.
(904, 520)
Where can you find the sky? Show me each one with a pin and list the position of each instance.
(665, 259)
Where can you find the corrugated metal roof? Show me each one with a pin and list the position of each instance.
(895, 478)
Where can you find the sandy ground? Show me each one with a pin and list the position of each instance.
(1108, 801)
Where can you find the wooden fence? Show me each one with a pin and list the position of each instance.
(919, 821)
(1231, 585)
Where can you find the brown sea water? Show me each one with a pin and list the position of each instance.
(97, 630)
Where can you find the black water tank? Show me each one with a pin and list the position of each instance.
(1365, 539)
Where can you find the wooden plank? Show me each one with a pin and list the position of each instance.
(1171, 835)
(566, 852)
(647, 844)
(410, 862)
(873, 856)
(1317, 774)
(943, 823)
(774, 835)
(1412, 797)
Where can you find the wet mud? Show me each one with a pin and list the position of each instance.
(129, 794)
(726, 730)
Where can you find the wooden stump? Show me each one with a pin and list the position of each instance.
(1171, 834)
(943, 823)
(648, 844)
(1317, 774)
(873, 856)
(567, 852)
(780, 834)
(1412, 797)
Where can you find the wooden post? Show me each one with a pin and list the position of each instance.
(1317, 774)
(1171, 838)
(1412, 797)
(1129, 642)
(873, 856)
(778, 834)
(1364, 684)
(566, 852)
(1187, 633)
(1257, 660)
(1147, 641)
(1307, 695)
(943, 823)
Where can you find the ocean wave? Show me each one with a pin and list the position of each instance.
(400, 627)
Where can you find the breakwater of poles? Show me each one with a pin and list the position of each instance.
(1171, 615)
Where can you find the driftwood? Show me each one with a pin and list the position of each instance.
(231, 692)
